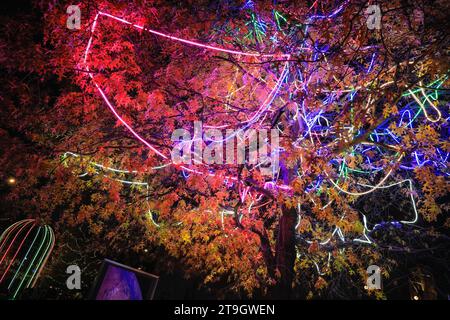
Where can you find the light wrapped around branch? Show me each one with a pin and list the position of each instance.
(24, 250)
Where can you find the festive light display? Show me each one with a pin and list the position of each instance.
(379, 157)
(25, 247)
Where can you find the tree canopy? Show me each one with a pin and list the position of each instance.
(362, 115)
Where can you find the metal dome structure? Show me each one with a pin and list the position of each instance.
(25, 247)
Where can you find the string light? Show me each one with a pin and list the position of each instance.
(16, 245)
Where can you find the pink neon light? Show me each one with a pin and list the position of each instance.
(116, 114)
(14, 239)
(17, 251)
(250, 54)
(261, 109)
(125, 123)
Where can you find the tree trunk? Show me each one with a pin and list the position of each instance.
(285, 253)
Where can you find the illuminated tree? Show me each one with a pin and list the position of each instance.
(360, 112)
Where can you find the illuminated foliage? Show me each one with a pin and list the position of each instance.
(361, 113)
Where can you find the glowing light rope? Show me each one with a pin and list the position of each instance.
(425, 109)
(338, 231)
(194, 43)
(31, 244)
